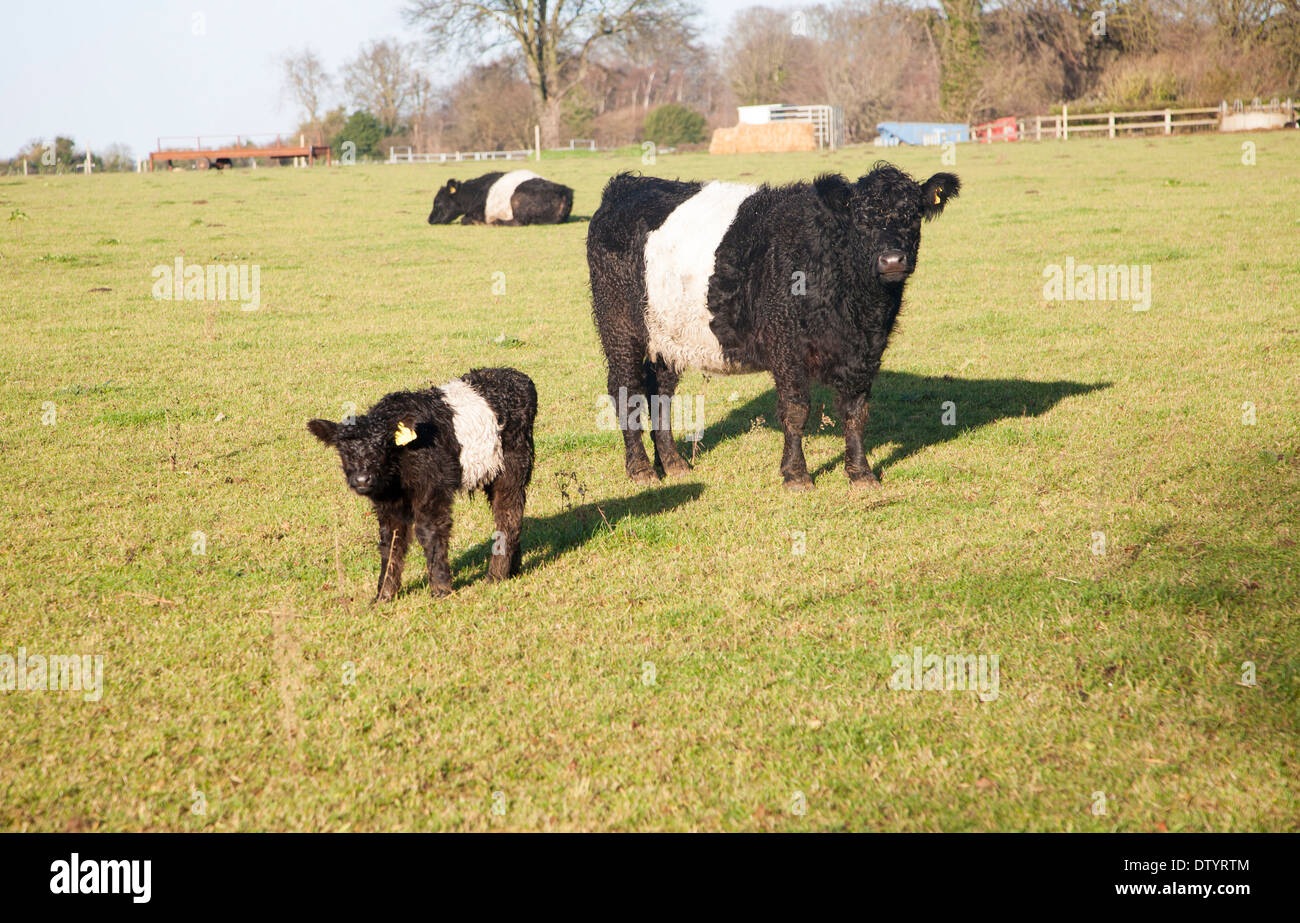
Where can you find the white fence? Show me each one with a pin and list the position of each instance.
(406, 155)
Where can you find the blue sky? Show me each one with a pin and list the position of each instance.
(132, 70)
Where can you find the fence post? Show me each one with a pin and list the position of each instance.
(537, 140)
(1111, 125)
(1169, 122)
(1038, 128)
(1065, 122)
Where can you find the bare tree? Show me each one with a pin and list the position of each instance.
(423, 104)
(765, 55)
(874, 59)
(492, 109)
(554, 39)
(118, 156)
(306, 82)
(383, 80)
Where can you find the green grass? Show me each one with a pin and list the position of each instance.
(225, 672)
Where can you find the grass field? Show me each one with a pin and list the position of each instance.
(667, 660)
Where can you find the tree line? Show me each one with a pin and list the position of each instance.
(623, 71)
(598, 70)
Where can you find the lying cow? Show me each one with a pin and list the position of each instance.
(518, 197)
(803, 281)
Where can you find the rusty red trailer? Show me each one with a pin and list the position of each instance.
(225, 155)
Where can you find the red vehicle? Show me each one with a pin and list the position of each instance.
(998, 130)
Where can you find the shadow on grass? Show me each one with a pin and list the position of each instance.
(907, 409)
(547, 538)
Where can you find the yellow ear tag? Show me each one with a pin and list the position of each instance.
(404, 434)
(936, 197)
(451, 189)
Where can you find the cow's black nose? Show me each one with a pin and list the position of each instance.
(359, 481)
(892, 265)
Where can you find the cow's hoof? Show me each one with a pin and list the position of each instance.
(439, 590)
(382, 598)
(865, 482)
(676, 468)
(799, 484)
(644, 476)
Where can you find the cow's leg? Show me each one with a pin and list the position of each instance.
(624, 342)
(433, 529)
(792, 410)
(394, 538)
(626, 382)
(507, 497)
(661, 384)
(853, 411)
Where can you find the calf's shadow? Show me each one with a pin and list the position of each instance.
(546, 538)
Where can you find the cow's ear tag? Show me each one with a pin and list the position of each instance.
(451, 189)
(404, 434)
(936, 197)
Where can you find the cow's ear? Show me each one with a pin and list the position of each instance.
(936, 192)
(834, 191)
(324, 430)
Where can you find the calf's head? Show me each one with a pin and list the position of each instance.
(368, 450)
(886, 208)
(446, 204)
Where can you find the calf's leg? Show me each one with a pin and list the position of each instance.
(394, 538)
(507, 497)
(433, 529)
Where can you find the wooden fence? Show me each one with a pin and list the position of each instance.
(1113, 124)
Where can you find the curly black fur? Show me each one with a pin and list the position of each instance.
(536, 201)
(855, 243)
(413, 485)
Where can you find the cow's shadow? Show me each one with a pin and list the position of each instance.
(546, 538)
(907, 411)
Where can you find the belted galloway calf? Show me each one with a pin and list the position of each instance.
(414, 450)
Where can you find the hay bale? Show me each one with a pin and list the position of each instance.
(774, 137)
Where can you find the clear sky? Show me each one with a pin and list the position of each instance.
(132, 70)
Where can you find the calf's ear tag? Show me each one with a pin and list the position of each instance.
(451, 189)
(404, 434)
(936, 197)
